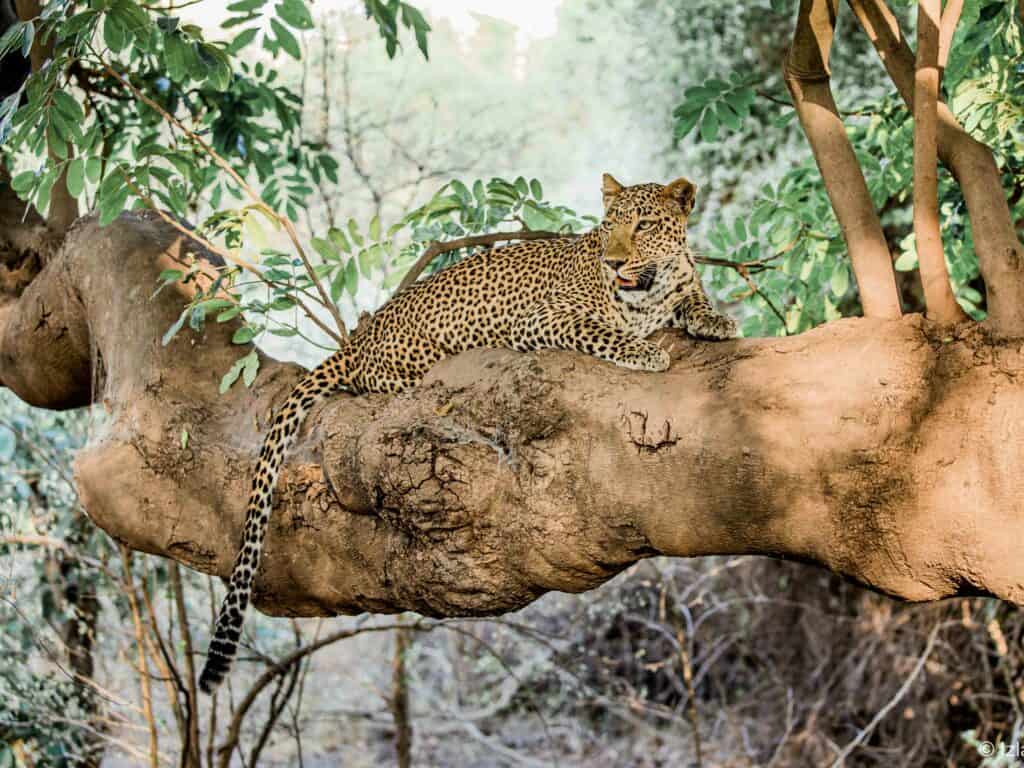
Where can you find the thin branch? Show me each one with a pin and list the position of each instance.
(938, 294)
(191, 749)
(867, 730)
(140, 642)
(947, 28)
(436, 248)
(282, 666)
(284, 221)
(233, 259)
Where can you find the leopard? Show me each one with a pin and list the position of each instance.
(602, 293)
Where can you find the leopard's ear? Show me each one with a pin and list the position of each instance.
(684, 192)
(609, 189)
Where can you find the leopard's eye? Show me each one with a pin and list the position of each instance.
(645, 224)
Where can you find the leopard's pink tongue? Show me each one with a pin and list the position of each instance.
(624, 283)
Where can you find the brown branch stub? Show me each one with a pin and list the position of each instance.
(938, 293)
(806, 71)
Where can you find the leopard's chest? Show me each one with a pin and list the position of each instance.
(644, 312)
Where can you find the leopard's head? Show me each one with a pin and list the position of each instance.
(644, 230)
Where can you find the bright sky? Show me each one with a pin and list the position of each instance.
(535, 18)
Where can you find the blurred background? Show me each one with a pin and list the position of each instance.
(708, 662)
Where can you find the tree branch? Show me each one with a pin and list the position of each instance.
(806, 72)
(507, 475)
(437, 247)
(1000, 253)
(938, 294)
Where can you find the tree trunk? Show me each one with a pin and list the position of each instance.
(885, 450)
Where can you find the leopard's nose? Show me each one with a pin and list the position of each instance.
(614, 264)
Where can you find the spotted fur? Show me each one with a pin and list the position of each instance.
(602, 294)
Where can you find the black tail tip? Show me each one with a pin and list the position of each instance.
(212, 676)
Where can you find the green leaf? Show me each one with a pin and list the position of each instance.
(229, 314)
(741, 230)
(68, 106)
(231, 376)
(351, 277)
(684, 126)
(536, 190)
(244, 335)
(23, 182)
(338, 238)
(76, 177)
(840, 281)
(55, 142)
(295, 14)
(173, 330)
(327, 249)
(338, 285)
(907, 262)
(709, 125)
(286, 39)
(251, 367)
(375, 228)
(353, 230)
(115, 35)
(242, 39)
(93, 169)
(727, 117)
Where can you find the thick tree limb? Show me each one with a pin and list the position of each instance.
(876, 448)
(938, 294)
(806, 73)
(1000, 253)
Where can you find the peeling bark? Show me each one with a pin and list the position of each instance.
(887, 451)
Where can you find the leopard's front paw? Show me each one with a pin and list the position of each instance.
(715, 327)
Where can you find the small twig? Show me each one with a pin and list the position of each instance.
(866, 731)
(236, 260)
(140, 641)
(191, 699)
(244, 185)
(282, 666)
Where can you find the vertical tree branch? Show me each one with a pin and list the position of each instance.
(947, 28)
(192, 703)
(1000, 253)
(938, 295)
(806, 72)
(143, 669)
(400, 699)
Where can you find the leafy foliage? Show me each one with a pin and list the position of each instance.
(792, 226)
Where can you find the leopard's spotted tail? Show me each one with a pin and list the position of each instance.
(333, 374)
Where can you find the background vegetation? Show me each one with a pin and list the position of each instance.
(321, 155)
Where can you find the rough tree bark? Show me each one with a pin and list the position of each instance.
(887, 451)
